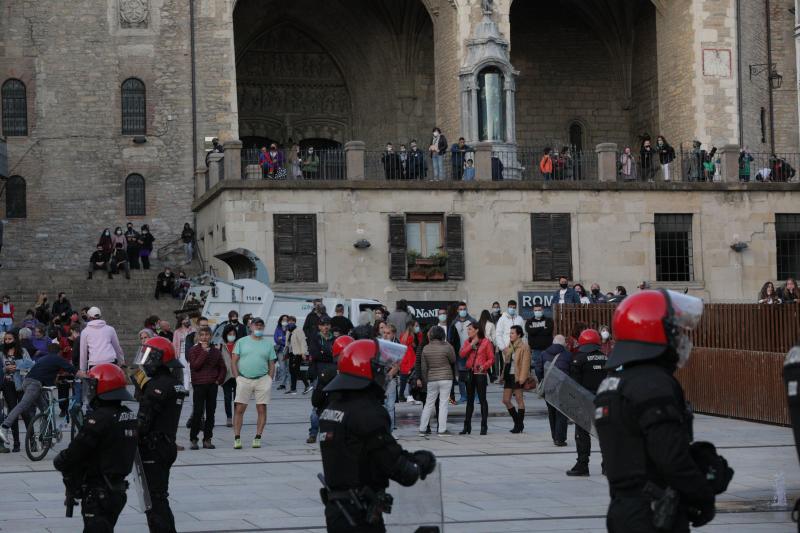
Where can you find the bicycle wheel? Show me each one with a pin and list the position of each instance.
(39, 437)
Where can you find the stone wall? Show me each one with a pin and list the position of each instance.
(612, 234)
(644, 113)
(755, 92)
(787, 138)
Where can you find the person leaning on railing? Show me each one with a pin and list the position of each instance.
(310, 164)
(768, 294)
(789, 292)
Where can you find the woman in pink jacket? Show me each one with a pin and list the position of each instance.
(479, 353)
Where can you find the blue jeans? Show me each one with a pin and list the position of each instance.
(391, 399)
(536, 356)
(438, 166)
(282, 373)
(6, 324)
(314, 418)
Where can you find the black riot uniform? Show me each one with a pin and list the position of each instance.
(159, 412)
(588, 368)
(97, 461)
(791, 378)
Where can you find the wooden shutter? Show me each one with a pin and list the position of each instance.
(397, 247)
(551, 238)
(295, 248)
(454, 242)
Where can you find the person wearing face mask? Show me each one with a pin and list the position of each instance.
(298, 356)
(608, 343)
(146, 240)
(272, 162)
(620, 293)
(416, 163)
(565, 294)
(16, 362)
(458, 335)
(310, 164)
(341, 322)
(648, 158)
(165, 282)
(208, 372)
(508, 320)
(187, 237)
(539, 331)
(118, 238)
(437, 149)
(179, 336)
(411, 338)
(229, 382)
(294, 159)
(279, 337)
(132, 246)
(392, 168)
(105, 241)
(597, 296)
(6, 314)
(233, 320)
(253, 364)
(312, 318)
(99, 261)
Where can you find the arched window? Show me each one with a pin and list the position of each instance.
(16, 202)
(134, 196)
(134, 107)
(576, 136)
(15, 109)
(491, 105)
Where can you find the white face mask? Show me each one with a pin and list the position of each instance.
(231, 338)
(284, 324)
(605, 335)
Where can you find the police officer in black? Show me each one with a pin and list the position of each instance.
(359, 455)
(159, 410)
(588, 368)
(101, 455)
(658, 478)
(791, 378)
(326, 373)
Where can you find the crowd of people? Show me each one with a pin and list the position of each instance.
(122, 251)
(787, 294)
(412, 163)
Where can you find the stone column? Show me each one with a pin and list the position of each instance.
(483, 161)
(354, 152)
(511, 114)
(729, 163)
(606, 161)
(474, 128)
(233, 160)
(797, 49)
(216, 168)
(200, 181)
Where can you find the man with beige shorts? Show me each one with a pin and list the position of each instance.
(253, 366)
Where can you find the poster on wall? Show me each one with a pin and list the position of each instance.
(426, 312)
(527, 299)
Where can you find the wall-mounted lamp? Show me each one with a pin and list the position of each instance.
(775, 79)
(738, 247)
(362, 244)
(139, 139)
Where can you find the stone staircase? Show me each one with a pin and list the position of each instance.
(124, 303)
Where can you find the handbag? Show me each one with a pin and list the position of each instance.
(529, 384)
(281, 174)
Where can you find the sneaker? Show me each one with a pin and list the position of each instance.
(237, 444)
(580, 469)
(229, 423)
(311, 439)
(410, 399)
(194, 445)
(559, 443)
(208, 446)
(308, 389)
(290, 392)
(281, 387)
(423, 434)
(15, 449)
(256, 442)
(445, 432)
(5, 435)
(179, 447)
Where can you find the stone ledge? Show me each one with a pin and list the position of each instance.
(302, 288)
(447, 286)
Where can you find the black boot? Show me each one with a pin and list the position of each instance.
(521, 418)
(89, 276)
(513, 412)
(581, 468)
(484, 428)
(467, 428)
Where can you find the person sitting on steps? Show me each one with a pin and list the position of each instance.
(99, 261)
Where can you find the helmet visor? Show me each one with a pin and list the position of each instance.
(390, 353)
(89, 389)
(686, 310)
(148, 356)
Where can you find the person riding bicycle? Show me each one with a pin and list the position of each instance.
(159, 411)
(101, 455)
(42, 374)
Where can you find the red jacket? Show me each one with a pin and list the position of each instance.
(7, 315)
(478, 360)
(410, 358)
(207, 366)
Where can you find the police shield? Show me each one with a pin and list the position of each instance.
(140, 483)
(791, 379)
(566, 395)
(417, 508)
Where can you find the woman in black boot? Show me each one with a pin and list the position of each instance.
(517, 359)
(479, 353)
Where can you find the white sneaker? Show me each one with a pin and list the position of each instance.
(410, 399)
(5, 435)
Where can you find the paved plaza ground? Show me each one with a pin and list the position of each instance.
(493, 483)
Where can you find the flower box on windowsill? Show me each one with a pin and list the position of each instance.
(425, 262)
(436, 276)
(417, 275)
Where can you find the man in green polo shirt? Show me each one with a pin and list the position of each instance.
(253, 366)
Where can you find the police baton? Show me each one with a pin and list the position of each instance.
(337, 502)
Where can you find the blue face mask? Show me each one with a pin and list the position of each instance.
(463, 314)
(538, 314)
(442, 318)
(258, 333)
(416, 329)
(512, 311)
(291, 326)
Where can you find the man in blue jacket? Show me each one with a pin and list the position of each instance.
(558, 422)
(565, 294)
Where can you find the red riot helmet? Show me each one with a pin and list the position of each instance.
(365, 362)
(650, 322)
(340, 344)
(107, 381)
(589, 341)
(155, 353)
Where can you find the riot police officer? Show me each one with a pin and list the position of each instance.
(791, 377)
(326, 371)
(588, 368)
(159, 411)
(659, 480)
(359, 454)
(101, 455)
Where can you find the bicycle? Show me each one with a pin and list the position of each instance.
(44, 430)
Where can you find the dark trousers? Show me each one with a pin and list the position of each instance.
(12, 397)
(205, 400)
(558, 424)
(100, 508)
(336, 521)
(145, 262)
(157, 461)
(295, 373)
(633, 514)
(583, 442)
(228, 394)
(401, 396)
(462, 385)
(477, 382)
(63, 396)
(133, 258)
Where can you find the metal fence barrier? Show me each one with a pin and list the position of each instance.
(328, 164)
(419, 165)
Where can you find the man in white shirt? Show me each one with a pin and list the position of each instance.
(508, 319)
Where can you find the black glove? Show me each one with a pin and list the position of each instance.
(702, 515)
(426, 462)
(714, 466)
(58, 462)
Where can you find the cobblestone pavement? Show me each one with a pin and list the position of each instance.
(492, 483)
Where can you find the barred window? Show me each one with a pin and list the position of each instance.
(674, 257)
(15, 109)
(134, 195)
(787, 242)
(134, 107)
(16, 197)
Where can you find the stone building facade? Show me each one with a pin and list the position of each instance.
(325, 73)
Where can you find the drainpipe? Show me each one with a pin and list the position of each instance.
(739, 90)
(193, 60)
(769, 82)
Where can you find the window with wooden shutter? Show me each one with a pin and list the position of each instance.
(397, 247)
(454, 242)
(295, 248)
(551, 243)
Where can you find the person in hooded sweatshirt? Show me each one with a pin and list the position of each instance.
(558, 422)
(99, 343)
